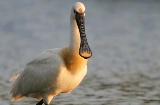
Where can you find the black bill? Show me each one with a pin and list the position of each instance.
(84, 50)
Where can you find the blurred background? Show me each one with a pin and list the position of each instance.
(124, 36)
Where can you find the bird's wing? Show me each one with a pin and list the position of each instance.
(38, 75)
(16, 75)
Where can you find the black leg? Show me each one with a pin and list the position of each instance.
(40, 102)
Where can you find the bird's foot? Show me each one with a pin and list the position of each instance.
(40, 102)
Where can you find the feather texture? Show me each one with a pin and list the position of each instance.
(53, 71)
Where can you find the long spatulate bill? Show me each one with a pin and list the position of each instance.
(84, 50)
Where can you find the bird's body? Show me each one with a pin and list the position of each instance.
(48, 75)
(54, 71)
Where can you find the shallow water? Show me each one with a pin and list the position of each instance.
(124, 36)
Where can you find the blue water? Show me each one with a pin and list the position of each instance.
(124, 36)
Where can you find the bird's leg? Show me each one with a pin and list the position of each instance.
(40, 102)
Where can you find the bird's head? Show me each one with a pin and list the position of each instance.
(78, 13)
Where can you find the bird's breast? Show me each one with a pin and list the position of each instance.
(67, 81)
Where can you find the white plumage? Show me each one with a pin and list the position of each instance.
(54, 71)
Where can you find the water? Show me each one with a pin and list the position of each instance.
(124, 36)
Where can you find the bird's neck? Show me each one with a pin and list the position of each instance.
(74, 38)
(74, 62)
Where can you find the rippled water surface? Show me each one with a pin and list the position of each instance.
(124, 36)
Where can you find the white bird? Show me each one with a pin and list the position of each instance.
(56, 71)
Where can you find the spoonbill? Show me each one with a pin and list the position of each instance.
(56, 71)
